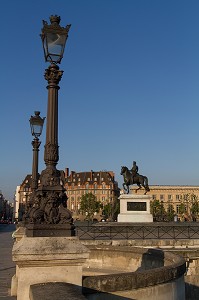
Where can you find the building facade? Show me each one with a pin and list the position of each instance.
(6, 209)
(172, 194)
(21, 197)
(102, 184)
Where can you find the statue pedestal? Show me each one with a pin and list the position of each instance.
(47, 259)
(135, 208)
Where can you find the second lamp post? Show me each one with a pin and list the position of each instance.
(36, 125)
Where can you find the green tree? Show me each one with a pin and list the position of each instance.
(89, 205)
(170, 213)
(157, 210)
(107, 210)
(182, 209)
(111, 210)
(194, 206)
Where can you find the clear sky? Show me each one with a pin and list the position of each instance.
(130, 89)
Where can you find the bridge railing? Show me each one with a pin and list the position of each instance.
(166, 231)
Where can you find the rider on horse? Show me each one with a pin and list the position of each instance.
(134, 170)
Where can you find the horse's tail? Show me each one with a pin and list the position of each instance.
(146, 183)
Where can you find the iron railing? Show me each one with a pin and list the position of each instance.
(136, 231)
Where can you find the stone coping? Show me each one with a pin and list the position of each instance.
(174, 269)
(35, 249)
(143, 224)
(55, 291)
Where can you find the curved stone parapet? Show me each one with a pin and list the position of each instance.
(154, 272)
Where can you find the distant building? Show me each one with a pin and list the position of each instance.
(6, 209)
(16, 203)
(2, 208)
(100, 183)
(171, 194)
(22, 196)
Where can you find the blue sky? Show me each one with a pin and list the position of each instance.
(130, 89)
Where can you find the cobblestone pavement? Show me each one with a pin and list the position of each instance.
(7, 267)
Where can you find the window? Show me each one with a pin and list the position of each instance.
(169, 197)
(178, 197)
(154, 197)
(177, 208)
(161, 197)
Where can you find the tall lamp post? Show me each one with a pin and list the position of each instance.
(36, 125)
(50, 198)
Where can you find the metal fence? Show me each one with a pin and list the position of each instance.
(133, 232)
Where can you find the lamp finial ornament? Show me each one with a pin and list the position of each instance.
(55, 19)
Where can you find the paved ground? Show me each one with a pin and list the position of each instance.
(7, 267)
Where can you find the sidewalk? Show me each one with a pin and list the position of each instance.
(7, 267)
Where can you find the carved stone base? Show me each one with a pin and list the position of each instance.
(50, 230)
(135, 208)
(47, 259)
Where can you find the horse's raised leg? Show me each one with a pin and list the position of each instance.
(125, 187)
(139, 187)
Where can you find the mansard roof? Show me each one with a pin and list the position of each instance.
(92, 177)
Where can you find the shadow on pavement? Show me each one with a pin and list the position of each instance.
(7, 228)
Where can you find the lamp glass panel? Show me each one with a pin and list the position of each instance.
(54, 46)
(36, 129)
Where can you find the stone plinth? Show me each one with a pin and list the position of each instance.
(135, 208)
(47, 259)
(50, 230)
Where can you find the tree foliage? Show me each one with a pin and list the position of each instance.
(89, 205)
(170, 213)
(111, 210)
(157, 210)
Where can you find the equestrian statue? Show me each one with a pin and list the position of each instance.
(133, 177)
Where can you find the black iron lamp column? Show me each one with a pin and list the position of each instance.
(54, 39)
(48, 210)
(36, 125)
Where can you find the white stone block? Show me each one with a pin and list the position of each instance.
(135, 208)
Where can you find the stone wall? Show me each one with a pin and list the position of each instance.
(133, 273)
(188, 249)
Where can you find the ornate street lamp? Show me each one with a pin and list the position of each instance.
(49, 205)
(36, 125)
(54, 39)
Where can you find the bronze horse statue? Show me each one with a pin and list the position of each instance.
(140, 180)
